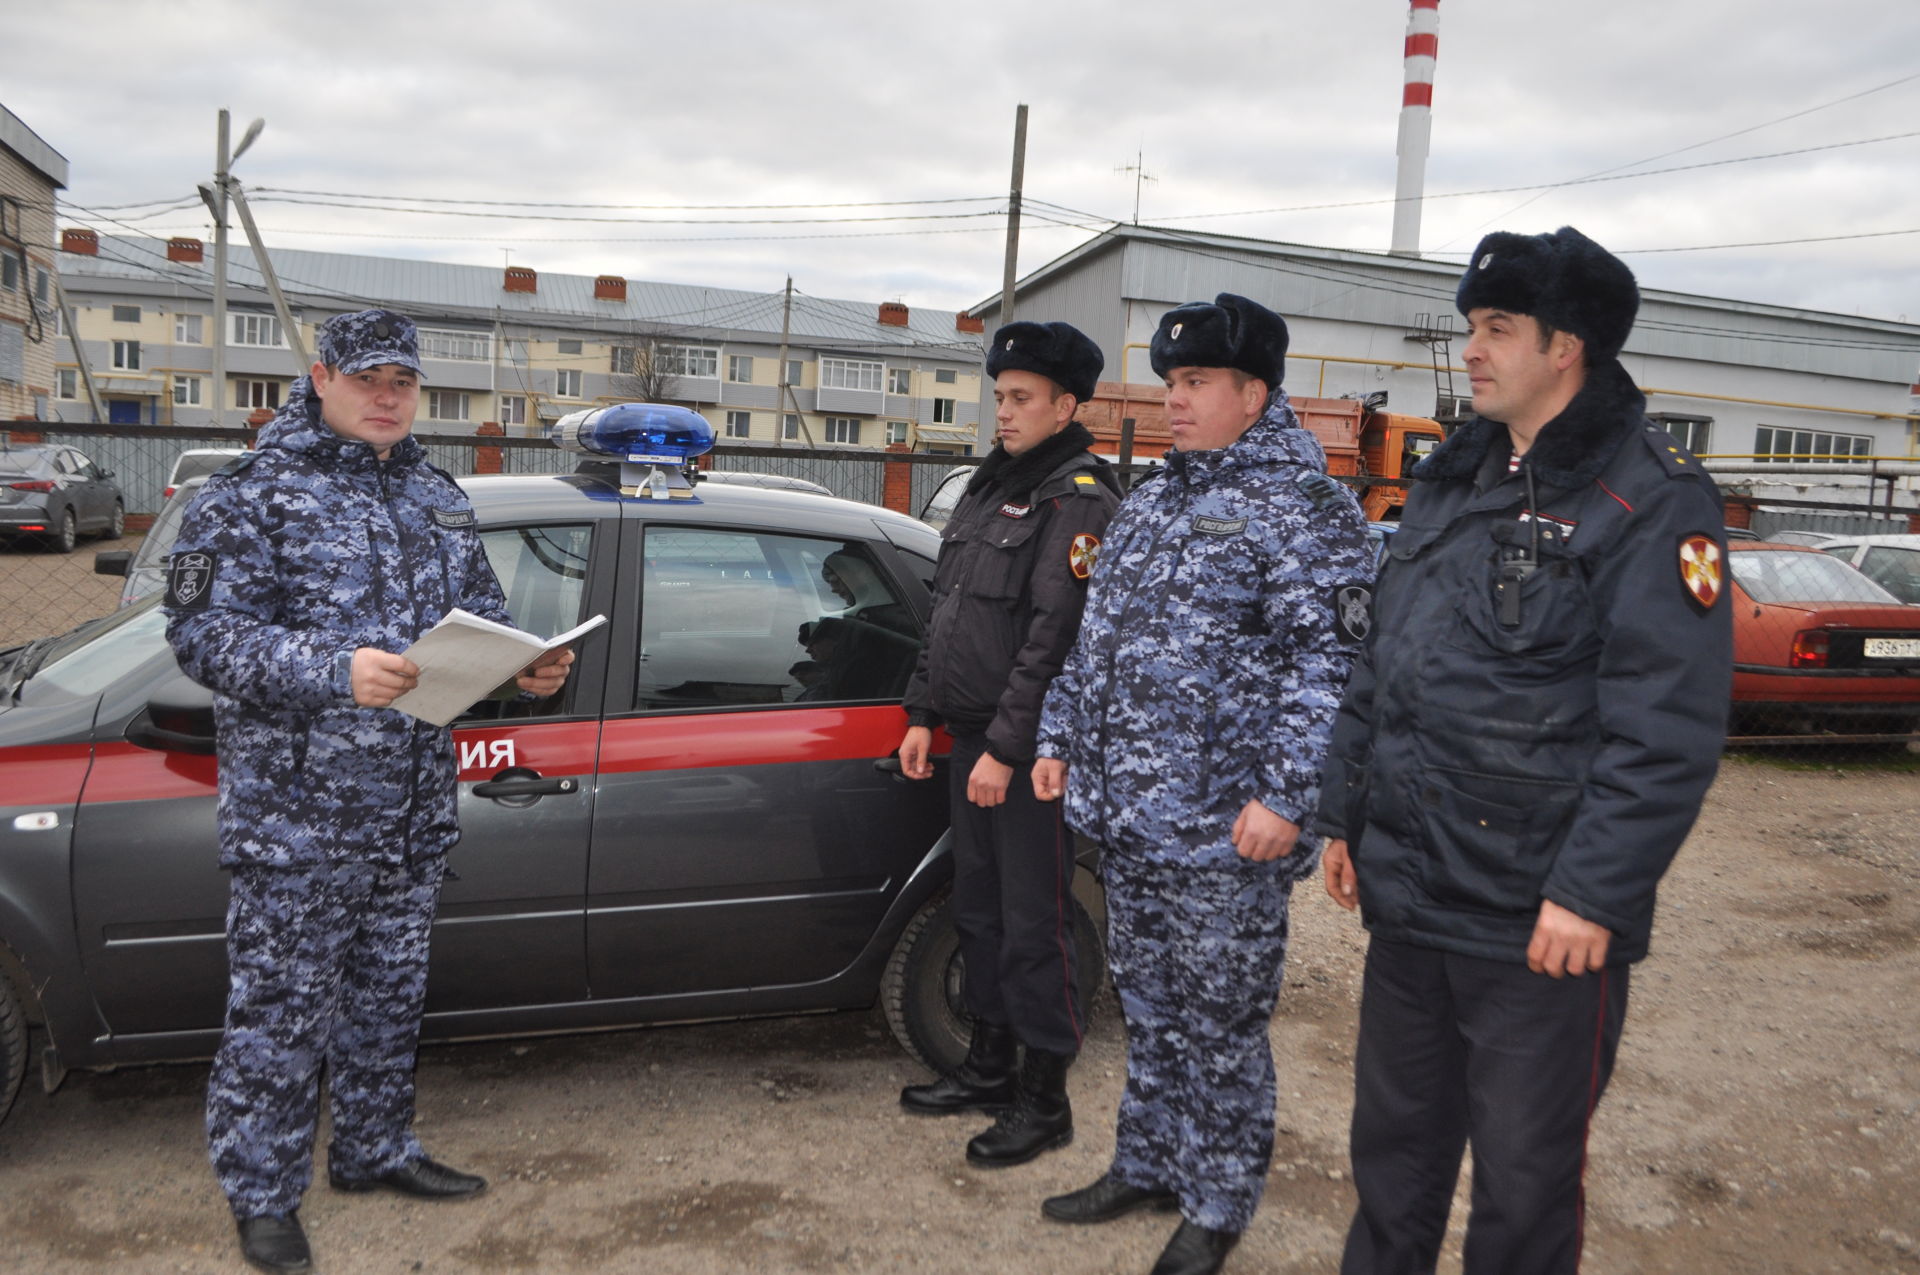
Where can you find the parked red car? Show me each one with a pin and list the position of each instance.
(1819, 646)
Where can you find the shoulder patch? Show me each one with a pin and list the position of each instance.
(238, 465)
(1703, 570)
(1673, 458)
(1082, 554)
(1086, 484)
(1352, 605)
(190, 580)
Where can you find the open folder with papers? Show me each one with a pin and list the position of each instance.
(465, 658)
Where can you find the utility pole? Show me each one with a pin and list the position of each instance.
(785, 394)
(215, 197)
(79, 351)
(287, 324)
(1013, 213)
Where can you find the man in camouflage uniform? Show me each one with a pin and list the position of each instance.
(1187, 730)
(300, 572)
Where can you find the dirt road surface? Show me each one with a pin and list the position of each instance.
(1762, 1119)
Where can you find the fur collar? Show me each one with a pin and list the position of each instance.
(1017, 476)
(1570, 450)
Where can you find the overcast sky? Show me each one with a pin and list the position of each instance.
(1235, 106)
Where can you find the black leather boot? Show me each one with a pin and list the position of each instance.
(982, 1082)
(1040, 1119)
(275, 1243)
(1104, 1201)
(1195, 1250)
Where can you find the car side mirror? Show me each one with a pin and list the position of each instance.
(106, 473)
(178, 718)
(112, 562)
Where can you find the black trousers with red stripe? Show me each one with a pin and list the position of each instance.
(1455, 1050)
(1013, 908)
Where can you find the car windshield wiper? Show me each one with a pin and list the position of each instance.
(25, 662)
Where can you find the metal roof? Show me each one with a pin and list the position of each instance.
(27, 144)
(439, 292)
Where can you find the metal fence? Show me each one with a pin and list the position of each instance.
(1825, 704)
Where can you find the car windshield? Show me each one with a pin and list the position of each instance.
(166, 528)
(1790, 577)
(93, 656)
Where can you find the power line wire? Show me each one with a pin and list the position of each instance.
(527, 203)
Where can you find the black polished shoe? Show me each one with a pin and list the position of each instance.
(1195, 1250)
(275, 1243)
(1104, 1201)
(983, 1082)
(424, 1178)
(1040, 1119)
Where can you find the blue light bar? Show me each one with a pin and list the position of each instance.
(638, 433)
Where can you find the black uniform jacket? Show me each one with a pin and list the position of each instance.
(1483, 761)
(1008, 591)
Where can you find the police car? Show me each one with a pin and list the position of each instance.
(706, 822)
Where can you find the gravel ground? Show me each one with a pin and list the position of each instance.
(1762, 1118)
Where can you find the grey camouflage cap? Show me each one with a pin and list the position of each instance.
(368, 338)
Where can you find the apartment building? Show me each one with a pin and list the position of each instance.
(30, 172)
(518, 347)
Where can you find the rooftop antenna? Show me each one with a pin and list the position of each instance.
(1140, 174)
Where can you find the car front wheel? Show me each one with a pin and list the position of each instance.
(924, 988)
(13, 1046)
(66, 533)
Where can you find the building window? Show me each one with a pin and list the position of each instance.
(513, 409)
(464, 347)
(945, 375)
(256, 394)
(621, 357)
(794, 371)
(849, 374)
(568, 347)
(66, 382)
(41, 285)
(189, 329)
(740, 368)
(1692, 431)
(943, 411)
(186, 391)
(446, 405)
(1771, 443)
(121, 313)
(739, 424)
(689, 360)
(257, 329)
(10, 280)
(566, 382)
(789, 426)
(899, 380)
(126, 356)
(843, 429)
(896, 431)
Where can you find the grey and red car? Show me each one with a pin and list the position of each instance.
(57, 494)
(704, 824)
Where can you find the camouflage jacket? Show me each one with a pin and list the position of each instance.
(283, 567)
(1218, 633)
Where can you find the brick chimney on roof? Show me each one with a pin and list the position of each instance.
(609, 287)
(521, 279)
(186, 249)
(83, 242)
(969, 323)
(893, 314)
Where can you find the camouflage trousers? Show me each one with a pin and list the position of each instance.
(1196, 954)
(327, 964)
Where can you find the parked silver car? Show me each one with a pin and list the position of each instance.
(1890, 561)
(146, 567)
(54, 492)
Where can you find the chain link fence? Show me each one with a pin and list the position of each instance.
(1828, 661)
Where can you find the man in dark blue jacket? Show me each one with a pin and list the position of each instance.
(300, 574)
(1526, 740)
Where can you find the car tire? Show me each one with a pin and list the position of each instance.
(13, 1046)
(68, 535)
(923, 989)
(117, 526)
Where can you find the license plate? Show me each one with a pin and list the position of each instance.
(1893, 648)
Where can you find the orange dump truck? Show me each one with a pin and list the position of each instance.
(1359, 439)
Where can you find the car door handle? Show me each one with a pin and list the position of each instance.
(530, 786)
(891, 765)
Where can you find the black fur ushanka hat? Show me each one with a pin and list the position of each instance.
(1564, 279)
(1229, 331)
(1058, 351)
